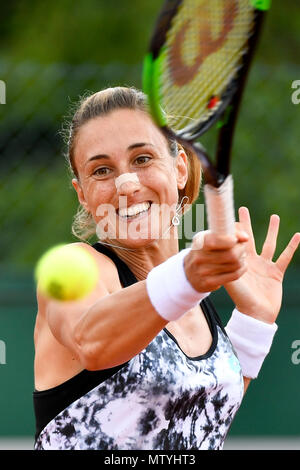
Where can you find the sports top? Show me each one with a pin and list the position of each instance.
(161, 399)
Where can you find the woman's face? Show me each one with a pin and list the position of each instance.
(127, 141)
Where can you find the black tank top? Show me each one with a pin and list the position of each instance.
(57, 409)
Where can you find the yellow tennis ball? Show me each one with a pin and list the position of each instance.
(66, 272)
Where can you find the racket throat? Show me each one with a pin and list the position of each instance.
(220, 207)
(211, 175)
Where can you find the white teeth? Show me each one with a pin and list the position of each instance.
(134, 210)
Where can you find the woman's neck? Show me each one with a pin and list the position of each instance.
(141, 260)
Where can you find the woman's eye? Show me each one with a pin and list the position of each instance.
(142, 159)
(101, 171)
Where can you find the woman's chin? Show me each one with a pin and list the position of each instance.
(139, 231)
(133, 244)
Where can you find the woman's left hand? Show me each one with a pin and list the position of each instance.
(258, 292)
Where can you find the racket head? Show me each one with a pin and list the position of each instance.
(197, 60)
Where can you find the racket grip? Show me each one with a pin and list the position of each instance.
(220, 207)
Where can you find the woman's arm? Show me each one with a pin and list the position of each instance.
(109, 328)
(246, 383)
(257, 296)
(105, 328)
(117, 327)
(258, 293)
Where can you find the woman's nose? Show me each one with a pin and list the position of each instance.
(128, 187)
(127, 183)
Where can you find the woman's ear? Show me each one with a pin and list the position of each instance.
(181, 168)
(80, 194)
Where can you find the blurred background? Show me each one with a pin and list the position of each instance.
(51, 53)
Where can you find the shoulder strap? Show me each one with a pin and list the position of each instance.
(127, 278)
(210, 309)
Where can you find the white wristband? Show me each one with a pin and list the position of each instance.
(170, 293)
(251, 339)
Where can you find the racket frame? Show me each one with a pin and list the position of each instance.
(218, 188)
(226, 114)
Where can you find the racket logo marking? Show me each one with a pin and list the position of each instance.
(180, 72)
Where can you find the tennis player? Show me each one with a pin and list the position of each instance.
(144, 362)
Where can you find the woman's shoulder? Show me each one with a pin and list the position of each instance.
(108, 274)
(108, 271)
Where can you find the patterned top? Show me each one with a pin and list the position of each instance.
(159, 400)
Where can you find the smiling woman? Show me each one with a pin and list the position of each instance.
(149, 160)
(143, 361)
(99, 105)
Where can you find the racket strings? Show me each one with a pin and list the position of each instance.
(217, 77)
(201, 113)
(203, 51)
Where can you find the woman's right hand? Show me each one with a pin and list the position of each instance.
(221, 259)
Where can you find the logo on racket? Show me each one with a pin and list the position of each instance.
(180, 72)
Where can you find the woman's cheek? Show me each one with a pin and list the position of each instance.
(97, 195)
(162, 181)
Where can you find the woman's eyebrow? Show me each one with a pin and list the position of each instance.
(139, 144)
(107, 157)
(97, 157)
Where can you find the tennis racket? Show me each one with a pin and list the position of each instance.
(194, 75)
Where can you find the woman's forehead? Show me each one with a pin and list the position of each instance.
(116, 132)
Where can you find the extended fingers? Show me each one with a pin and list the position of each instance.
(288, 253)
(245, 220)
(269, 245)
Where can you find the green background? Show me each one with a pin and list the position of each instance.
(54, 51)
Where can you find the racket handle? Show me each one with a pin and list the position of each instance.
(220, 207)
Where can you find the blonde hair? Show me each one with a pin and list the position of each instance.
(100, 104)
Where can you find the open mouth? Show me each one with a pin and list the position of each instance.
(135, 211)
